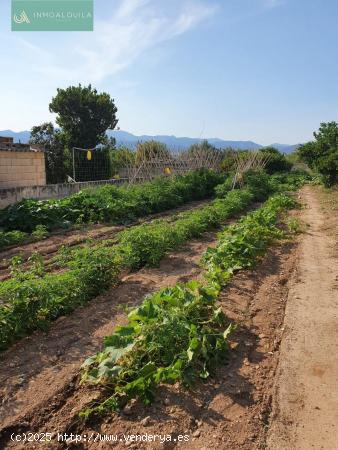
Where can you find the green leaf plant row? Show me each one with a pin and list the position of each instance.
(32, 220)
(108, 204)
(180, 333)
(32, 299)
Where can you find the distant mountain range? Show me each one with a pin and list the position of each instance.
(177, 143)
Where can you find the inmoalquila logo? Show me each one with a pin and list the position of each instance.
(21, 18)
(52, 15)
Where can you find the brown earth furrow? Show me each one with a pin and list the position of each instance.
(231, 410)
(41, 366)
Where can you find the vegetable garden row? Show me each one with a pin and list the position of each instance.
(33, 219)
(180, 333)
(32, 299)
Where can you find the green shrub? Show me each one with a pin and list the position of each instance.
(258, 182)
(322, 154)
(40, 232)
(222, 189)
(277, 161)
(281, 182)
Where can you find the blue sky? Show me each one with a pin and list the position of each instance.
(264, 70)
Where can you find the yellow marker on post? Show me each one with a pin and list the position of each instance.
(89, 155)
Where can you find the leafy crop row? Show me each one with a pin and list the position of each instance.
(121, 205)
(263, 184)
(180, 333)
(32, 299)
(281, 182)
(12, 238)
(111, 204)
(241, 244)
(9, 238)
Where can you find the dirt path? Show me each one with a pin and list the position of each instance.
(306, 398)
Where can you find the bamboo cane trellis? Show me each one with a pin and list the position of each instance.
(164, 162)
(244, 162)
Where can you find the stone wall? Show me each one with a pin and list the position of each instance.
(21, 168)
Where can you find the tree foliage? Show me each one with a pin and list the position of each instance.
(50, 138)
(149, 149)
(322, 154)
(84, 115)
(202, 146)
(277, 161)
(121, 158)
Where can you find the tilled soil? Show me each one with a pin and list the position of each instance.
(42, 367)
(267, 395)
(232, 410)
(39, 375)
